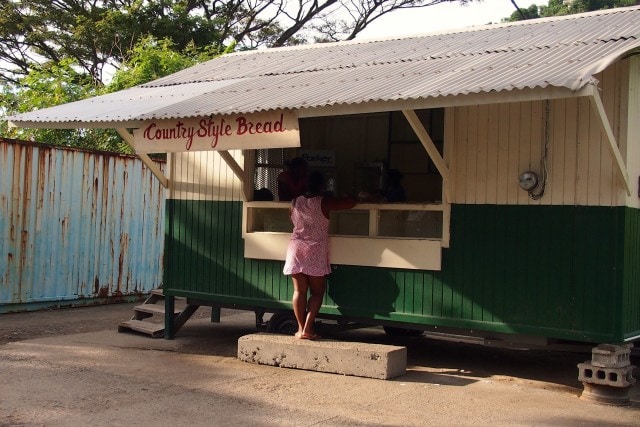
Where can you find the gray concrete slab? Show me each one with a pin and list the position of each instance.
(337, 357)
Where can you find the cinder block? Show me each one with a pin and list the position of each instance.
(611, 356)
(347, 358)
(614, 377)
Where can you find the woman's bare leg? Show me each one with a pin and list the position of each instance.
(317, 285)
(299, 301)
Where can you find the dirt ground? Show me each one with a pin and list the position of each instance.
(67, 321)
(71, 367)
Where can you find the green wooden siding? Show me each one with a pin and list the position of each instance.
(556, 271)
(630, 276)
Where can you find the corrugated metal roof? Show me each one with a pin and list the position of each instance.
(560, 52)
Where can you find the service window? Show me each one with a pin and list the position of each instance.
(376, 157)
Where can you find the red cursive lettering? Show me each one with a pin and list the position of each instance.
(247, 127)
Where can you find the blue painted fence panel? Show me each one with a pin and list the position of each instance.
(76, 226)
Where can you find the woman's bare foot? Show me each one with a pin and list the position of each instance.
(310, 336)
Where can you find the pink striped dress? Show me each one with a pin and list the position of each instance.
(308, 250)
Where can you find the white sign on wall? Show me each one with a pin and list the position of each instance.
(319, 158)
(272, 129)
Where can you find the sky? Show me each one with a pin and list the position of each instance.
(442, 17)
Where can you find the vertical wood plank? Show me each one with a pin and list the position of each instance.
(537, 142)
(513, 168)
(583, 127)
(503, 155)
(450, 142)
(492, 135)
(524, 147)
(481, 154)
(472, 154)
(608, 179)
(570, 151)
(461, 154)
(557, 151)
(595, 157)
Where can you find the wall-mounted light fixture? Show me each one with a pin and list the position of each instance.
(528, 181)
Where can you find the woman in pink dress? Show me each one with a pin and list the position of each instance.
(308, 253)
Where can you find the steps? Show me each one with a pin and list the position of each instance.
(148, 318)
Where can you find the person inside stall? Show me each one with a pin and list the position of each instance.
(292, 181)
(307, 260)
(263, 195)
(395, 190)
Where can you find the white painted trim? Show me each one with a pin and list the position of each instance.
(598, 107)
(446, 225)
(440, 164)
(427, 143)
(536, 94)
(414, 254)
(396, 252)
(249, 157)
(155, 170)
(238, 172)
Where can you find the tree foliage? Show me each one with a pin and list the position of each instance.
(563, 7)
(151, 59)
(98, 35)
(56, 51)
(54, 84)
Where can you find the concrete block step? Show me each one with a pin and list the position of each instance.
(155, 330)
(339, 357)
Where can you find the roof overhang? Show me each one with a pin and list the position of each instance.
(515, 95)
(493, 97)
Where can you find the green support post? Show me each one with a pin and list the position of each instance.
(169, 318)
(215, 314)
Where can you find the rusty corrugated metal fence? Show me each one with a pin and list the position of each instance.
(76, 226)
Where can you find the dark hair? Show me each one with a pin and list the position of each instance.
(296, 163)
(394, 176)
(263, 194)
(315, 182)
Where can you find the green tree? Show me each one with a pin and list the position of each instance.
(95, 35)
(58, 83)
(151, 59)
(71, 48)
(51, 84)
(99, 35)
(563, 7)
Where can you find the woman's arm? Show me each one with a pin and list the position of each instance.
(335, 204)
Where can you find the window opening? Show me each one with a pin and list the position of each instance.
(269, 163)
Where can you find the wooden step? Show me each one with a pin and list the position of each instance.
(149, 309)
(153, 309)
(155, 330)
(160, 292)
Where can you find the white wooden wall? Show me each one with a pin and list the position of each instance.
(488, 146)
(633, 130)
(203, 175)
